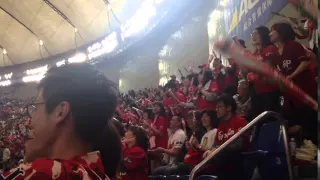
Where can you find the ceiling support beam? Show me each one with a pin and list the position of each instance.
(25, 26)
(59, 12)
(65, 18)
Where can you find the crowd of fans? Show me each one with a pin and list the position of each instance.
(164, 130)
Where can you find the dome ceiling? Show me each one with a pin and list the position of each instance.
(25, 22)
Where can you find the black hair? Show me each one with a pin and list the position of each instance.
(149, 112)
(285, 31)
(197, 114)
(227, 100)
(195, 79)
(162, 110)
(207, 76)
(92, 98)
(171, 84)
(119, 126)
(264, 35)
(213, 117)
(142, 139)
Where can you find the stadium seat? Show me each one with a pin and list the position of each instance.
(268, 155)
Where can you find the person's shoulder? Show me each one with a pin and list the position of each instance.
(271, 48)
(212, 131)
(180, 132)
(238, 119)
(137, 149)
(292, 44)
(40, 168)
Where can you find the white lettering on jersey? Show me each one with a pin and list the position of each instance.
(286, 64)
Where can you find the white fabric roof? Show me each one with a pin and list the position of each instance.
(90, 17)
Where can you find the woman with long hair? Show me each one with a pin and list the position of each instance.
(295, 65)
(265, 96)
(134, 165)
(207, 89)
(157, 128)
(207, 120)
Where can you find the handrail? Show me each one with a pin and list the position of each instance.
(259, 118)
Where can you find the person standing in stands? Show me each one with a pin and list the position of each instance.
(265, 96)
(134, 165)
(6, 154)
(157, 131)
(294, 64)
(207, 90)
(70, 126)
(173, 153)
(227, 164)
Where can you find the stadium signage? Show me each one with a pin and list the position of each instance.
(107, 45)
(242, 16)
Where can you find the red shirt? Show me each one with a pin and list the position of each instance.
(135, 165)
(227, 129)
(171, 102)
(160, 125)
(293, 54)
(269, 55)
(202, 103)
(88, 167)
(193, 157)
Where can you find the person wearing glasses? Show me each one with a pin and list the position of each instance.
(71, 134)
(226, 165)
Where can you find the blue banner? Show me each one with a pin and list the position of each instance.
(241, 17)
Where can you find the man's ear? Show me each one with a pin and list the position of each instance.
(62, 111)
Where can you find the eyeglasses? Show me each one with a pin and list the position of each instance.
(31, 108)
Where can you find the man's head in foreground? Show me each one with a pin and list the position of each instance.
(71, 114)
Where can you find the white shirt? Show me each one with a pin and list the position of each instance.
(176, 140)
(208, 138)
(6, 154)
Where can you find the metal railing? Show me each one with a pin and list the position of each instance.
(259, 118)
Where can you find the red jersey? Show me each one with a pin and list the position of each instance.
(171, 102)
(293, 54)
(134, 165)
(269, 55)
(167, 103)
(201, 102)
(86, 167)
(231, 78)
(160, 125)
(227, 129)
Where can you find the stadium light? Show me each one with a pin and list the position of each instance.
(78, 58)
(8, 76)
(223, 3)
(5, 83)
(4, 51)
(33, 78)
(107, 45)
(38, 70)
(40, 42)
(109, 7)
(60, 63)
(140, 19)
